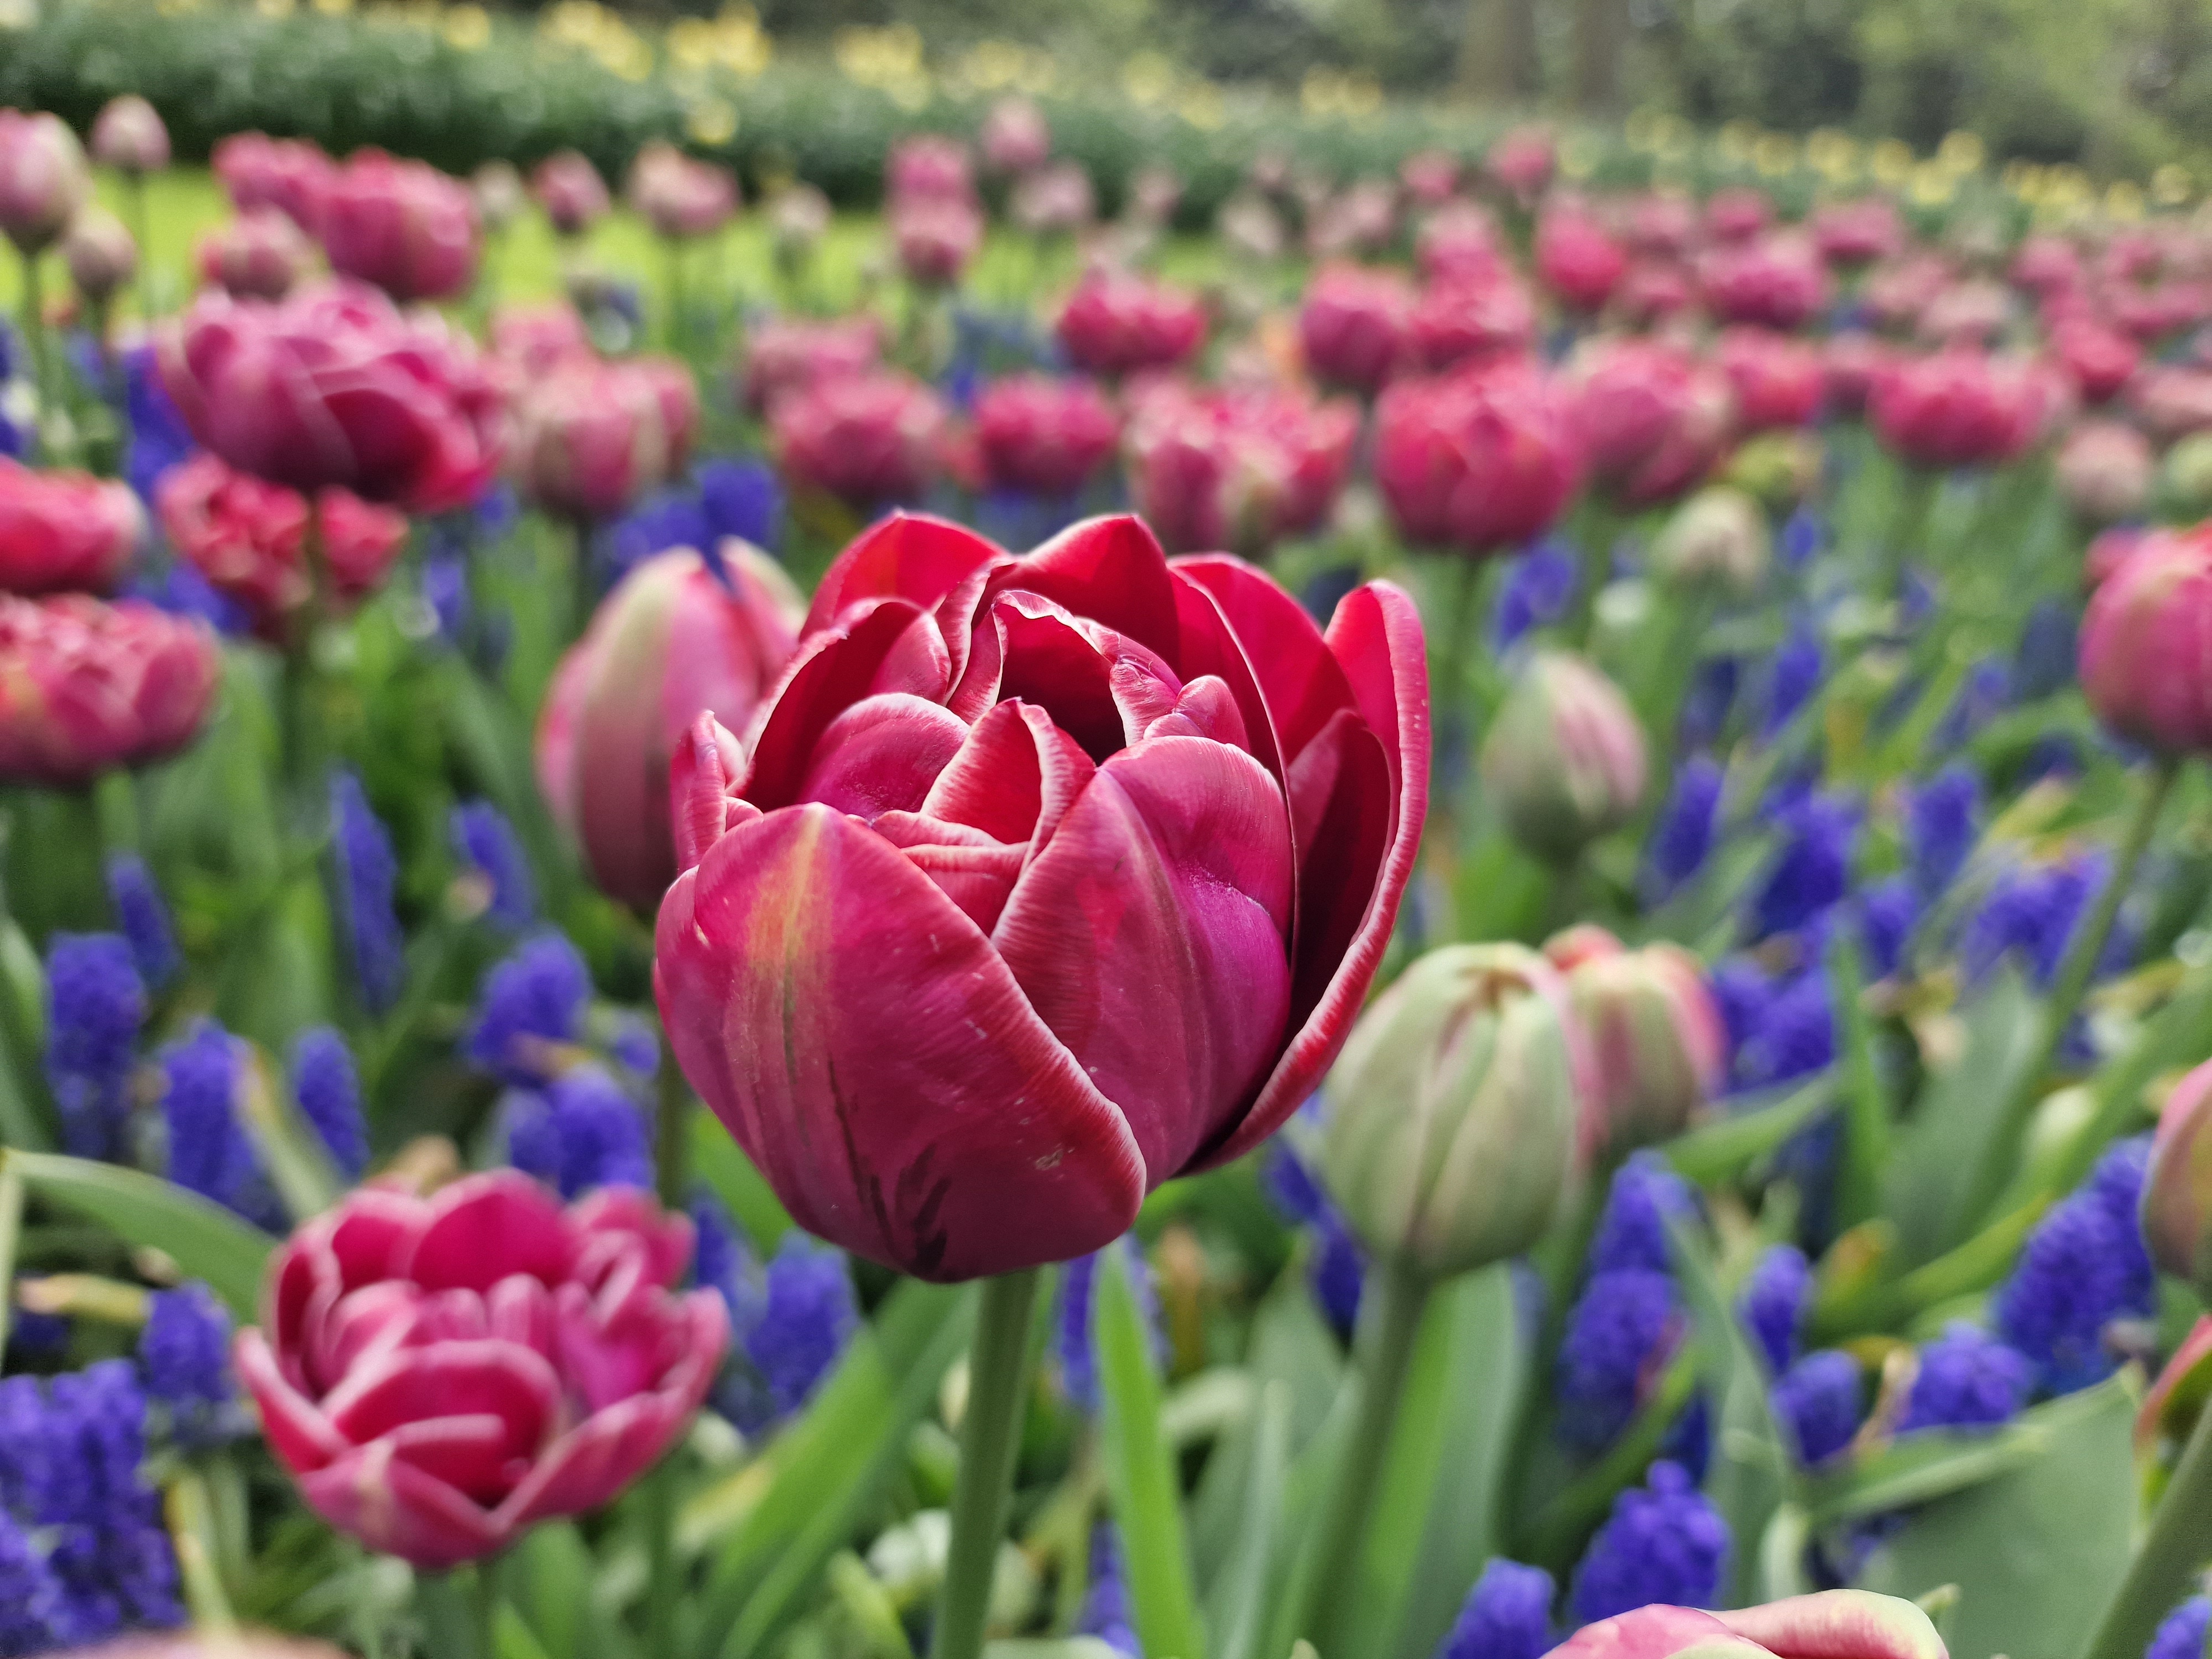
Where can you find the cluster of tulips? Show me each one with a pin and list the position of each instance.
(1430, 769)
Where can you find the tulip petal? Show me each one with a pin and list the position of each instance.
(1657, 1632)
(1151, 936)
(1100, 688)
(1014, 778)
(709, 758)
(882, 755)
(486, 1378)
(1839, 1623)
(391, 1505)
(832, 672)
(908, 555)
(373, 1232)
(666, 1235)
(1210, 646)
(1304, 682)
(861, 1039)
(1207, 708)
(485, 1227)
(296, 1430)
(1111, 569)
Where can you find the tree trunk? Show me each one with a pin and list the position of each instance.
(1597, 55)
(1498, 60)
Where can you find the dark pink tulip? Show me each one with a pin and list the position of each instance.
(1778, 379)
(570, 190)
(1577, 260)
(1773, 281)
(2103, 471)
(1115, 323)
(257, 255)
(928, 164)
(1041, 881)
(128, 136)
(673, 637)
(60, 531)
(1235, 470)
(86, 686)
(679, 196)
(1477, 460)
(288, 174)
(332, 386)
(1429, 176)
(1972, 311)
(404, 226)
(866, 439)
(1471, 321)
(1896, 294)
(592, 436)
(1351, 327)
(1055, 200)
(1844, 1624)
(2177, 1199)
(1855, 234)
(1959, 407)
(1523, 160)
(2146, 638)
(936, 237)
(2171, 400)
(1015, 136)
(2108, 550)
(1458, 243)
(1653, 419)
(533, 340)
(1043, 436)
(792, 356)
(43, 179)
(1661, 225)
(1359, 219)
(1652, 292)
(440, 1374)
(1850, 362)
(1737, 213)
(2099, 360)
(2047, 266)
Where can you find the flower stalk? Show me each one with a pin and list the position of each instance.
(990, 1436)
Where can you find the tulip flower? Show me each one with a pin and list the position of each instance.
(1653, 419)
(675, 636)
(2140, 646)
(500, 194)
(682, 199)
(535, 340)
(63, 531)
(1564, 757)
(258, 255)
(1477, 460)
(1015, 136)
(529, 1362)
(288, 174)
(1458, 243)
(1116, 839)
(1851, 235)
(1842, 1624)
(592, 436)
(1115, 323)
(2104, 470)
(2171, 400)
(1353, 326)
(332, 386)
(866, 439)
(2108, 550)
(86, 686)
(791, 355)
(1773, 283)
(1652, 292)
(1778, 380)
(1235, 470)
(1577, 260)
(936, 237)
(2175, 1211)
(1737, 215)
(1659, 1050)
(2099, 360)
(1716, 539)
(100, 254)
(43, 179)
(248, 538)
(570, 190)
(926, 165)
(128, 134)
(1661, 225)
(1523, 161)
(1852, 361)
(2046, 265)
(1431, 176)
(1959, 407)
(1471, 322)
(405, 226)
(1053, 201)
(1044, 436)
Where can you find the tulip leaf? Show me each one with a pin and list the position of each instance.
(548, 1579)
(205, 1241)
(1919, 1468)
(1141, 1479)
(722, 1164)
(1244, 1620)
(2037, 1551)
(1719, 1151)
(1866, 1107)
(1781, 1556)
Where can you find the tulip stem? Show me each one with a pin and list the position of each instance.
(990, 1434)
(1397, 1295)
(580, 575)
(134, 196)
(300, 713)
(34, 348)
(2087, 948)
(2180, 1539)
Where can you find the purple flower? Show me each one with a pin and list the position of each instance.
(1816, 1405)
(96, 1003)
(1682, 837)
(209, 1151)
(2181, 1634)
(1776, 1299)
(1507, 1615)
(368, 875)
(534, 997)
(1792, 676)
(1942, 822)
(1106, 1613)
(580, 1131)
(1631, 1232)
(143, 915)
(1967, 1380)
(1619, 1333)
(1539, 586)
(1812, 869)
(327, 1087)
(485, 842)
(1663, 1543)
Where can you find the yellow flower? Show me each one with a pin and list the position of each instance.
(467, 27)
(1961, 152)
(2124, 200)
(1774, 154)
(2171, 185)
(1892, 161)
(1148, 77)
(712, 121)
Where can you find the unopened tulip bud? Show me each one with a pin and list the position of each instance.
(1718, 537)
(43, 179)
(499, 192)
(2141, 649)
(2177, 1198)
(2103, 471)
(100, 252)
(1449, 1125)
(1779, 469)
(2185, 476)
(128, 136)
(797, 217)
(1655, 1036)
(1564, 757)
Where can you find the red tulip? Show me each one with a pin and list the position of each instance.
(333, 386)
(43, 179)
(128, 136)
(1114, 323)
(793, 356)
(440, 1375)
(675, 636)
(1577, 260)
(866, 439)
(1478, 459)
(2099, 360)
(533, 340)
(1842, 1624)
(1653, 419)
(86, 686)
(2047, 266)
(1458, 243)
(1353, 326)
(1854, 234)
(247, 537)
(569, 189)
(2104, 470)
(60, 531)
(936, 237)
(1042, 880)
(928, 164)
(592, 436)
(404, 226)
(1235, 470)
(681, 197)
(1737, 215)
(1471, 321)
(1957, 407)
(1015, 136)
(257, 255)
(2145, 643)
(1045, 437)
(1778, 379)
(288, 174)
(1775, 282)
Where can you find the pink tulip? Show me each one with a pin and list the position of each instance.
(1477, 460)
(86, 686)
(44, 179)
(1577, 260)
(257, 255)
(2105, 471)
(1056, 200)
(1657, 1042)
(673, 637)
(681, 197)
(1957, 407)
(1235, 470)
(1774, 282)
(936, 237)
(1431, 176)
(1015, 136)
(1652, 292)
(792, 356)
(1855, 234)
(1653, 419)
(404, 226)
(62, 531)
(2047, 266)
(2171, 400)
(1043, 436)
(1975, 311)
(1458, 243)
(570, 190)
(1897, 295)
(1523, 160)
(926, 165)
(128, 136)
(440, 1374)
(2108, 550)
(1115, 323)
(866, 439)
(1359, 219)
(1778, 380)
(2176, 1196)
(1353, 326)
(1041, 881)
(1737, 215)
(100, 253)
(592, 436)
(332, 386)
(2099, 360)
(2143, 643)
(533, 340)
(288, 174)
(1842, 1624)
(1851, 361)
(248, 538)
(1661, 225)
(1471, 322)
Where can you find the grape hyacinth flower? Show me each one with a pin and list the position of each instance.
(369, 872)
(1336, 1267)
(582, 1132)
(96, 1003)
(1073, 1347)
(530, 1002)
(807, 1316)
(1812, 870)
(1816, 1405)
(35, 1611)
(485, 842)
(2078, 1272)
(1664, 1542)
(1682, 837)
(1507, 1615)
(2181, 1634)
(1539, 586)
(1967, 1380)
(1620, 1330)
(1942, 822)
(1631, 1232)
(143, 916)
(184, 1353)
(209, 1151)
(1106, 1610)
(1793, 675)
(327, 1087)
(1887, 911)
(1777, 1297)
(1794, 1035)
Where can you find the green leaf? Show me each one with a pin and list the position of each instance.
(1781, 1556)
(1866, 1110)
(1141, 1479)
(1919, 1468)
(2036, 1552)
(512, 1638)
(548, 1580)
(1719, 1151)
(1246, 1616)
(204, 1240)
(722, 1164)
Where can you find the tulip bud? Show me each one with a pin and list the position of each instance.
(2103, 471)
(2185, 476)
(1718, 537)
(2177, 1199)
(936, 237)
(591, 437)
(1054, 201)
(1449, 1124)
(128, 136)
(1840, 1624)
(1015, 136)
(1577, 261)
(100, 252)
(2141, 650)
(499, 193)
(1656, 1038)
(569, 188)
(1564, 757)
(797, 218)
(43, 179)
(1778, 468)
(1477, 461)
(1353, 326)
(258, 255)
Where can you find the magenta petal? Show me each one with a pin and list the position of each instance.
(1207, 708)
(831, 672)
(1151, 937)
(1304, 683)
(374, 1229)
(708, 759)
(296, 1430)
(872, 1054)
(483, 1228)
(1210, 646)
(450, 1379)
(1014, 778)
(908, 557)
(626, 1212)
(1112, 570)
(394, 1506)
(1651, 1632)
(882, 755)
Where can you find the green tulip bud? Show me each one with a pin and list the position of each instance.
(1564, 757)
(1718, 537)
(2185, 478)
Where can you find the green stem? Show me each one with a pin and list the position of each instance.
(11, 1229)
(1451, 660)
(134, 200)
(579, 575)
(191, 1515)
(2180, 1539)
(1400, 1294)
(485, 1608)
(662, 1585)
(990, 1434)
(301, 714)
(34, 347)
(2075, 971)
(672, 291)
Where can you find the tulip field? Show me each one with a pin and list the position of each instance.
(1466, 913)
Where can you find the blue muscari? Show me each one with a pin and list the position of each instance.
(1942, 822)
(536, 995)
(1776, 1299)
(180, 589)
(1789, 1031)
(209, 1151)
(368, 878)
(1987, 693)
(1664, 1542)
(1632, 1230)
(1708, 702)
(2082, 1268)
(96, 1004)
(633, 1044)
(485, 842)
(2181, 1634)
(159, 438)
(788, 1321)
(1620, 1326)
(1336, 1266)
(143, 916)
(579, 1132)
(327, 1086)
(1887, 912)
(1816, 1405)
(722, 498)
(2049, 647)
(184, 1354)
(1507, 1615)
(1811, 870)
(1967, 1379)
(1073, 1348)
(1106, 1610)
(1540, 585)
(1682, 835)
(2030, 914)
(1792, 675)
